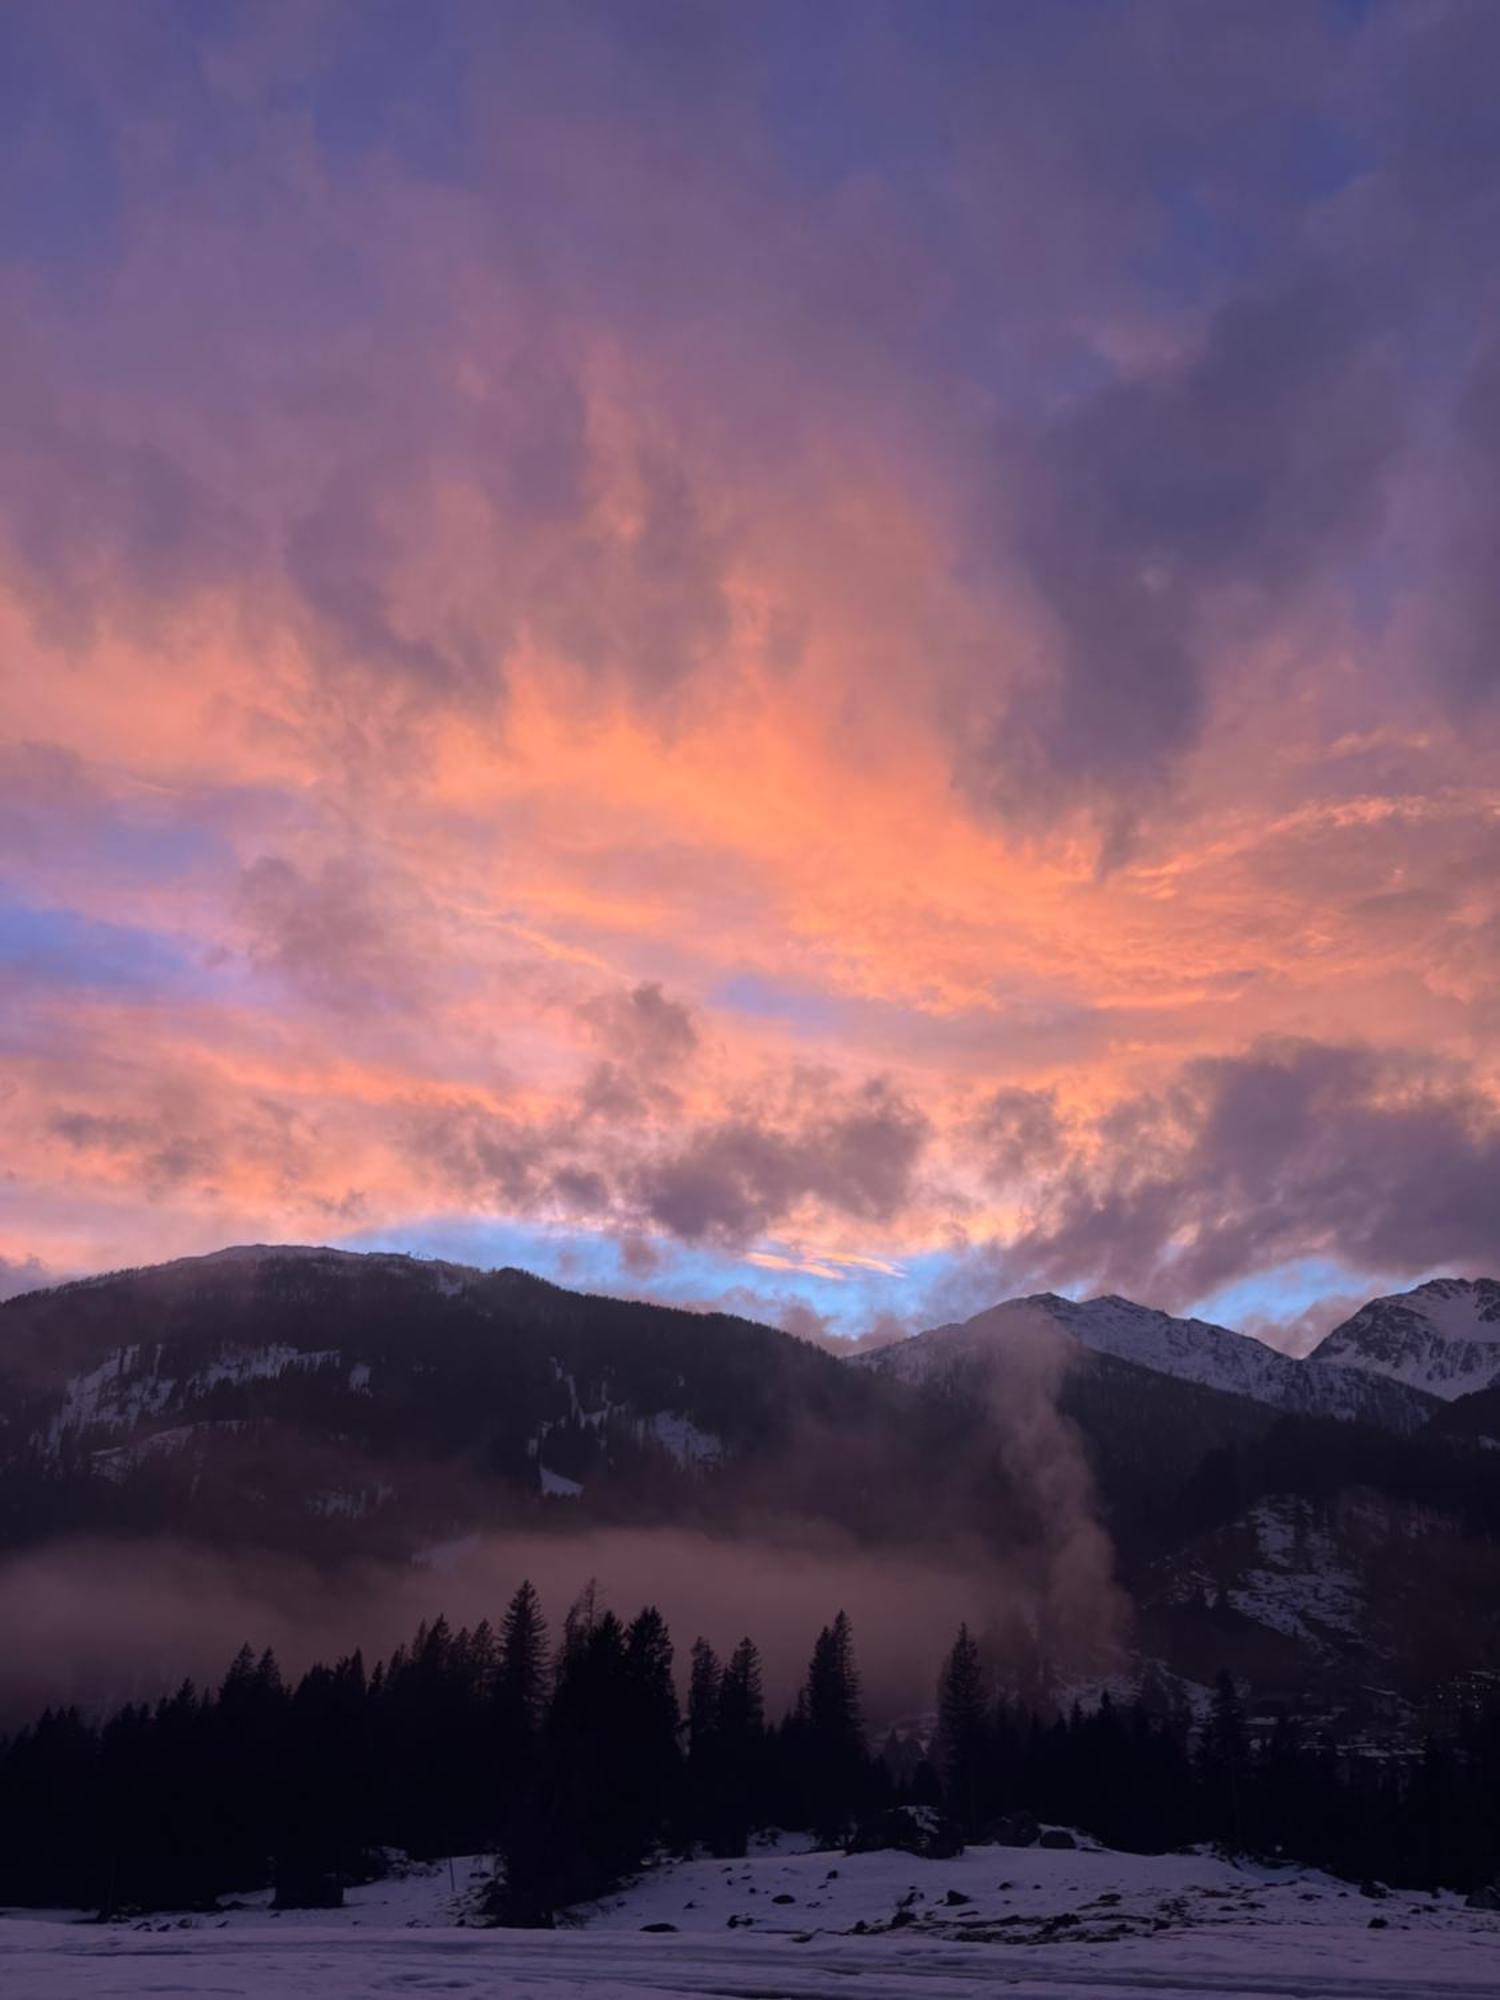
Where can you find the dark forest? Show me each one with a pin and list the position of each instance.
(575, 1762)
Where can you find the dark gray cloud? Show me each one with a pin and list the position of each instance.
(328, 934)
(1385, 1162)
(853, 1152)
(649, 1037)
(89, 1128)
(733, 1180)
(485, 1154)
(642, 1027)
(1196, 493)
(1018, 1133)
(168, 1150)
(1301, 416)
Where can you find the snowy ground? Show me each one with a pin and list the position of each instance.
(1023, 1921)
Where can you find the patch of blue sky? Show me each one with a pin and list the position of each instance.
(493, 1242)
(1281, 1293)
(64, 948)
(1021, 1019)
(154, 852)
(700, 1276)
(799, 1007)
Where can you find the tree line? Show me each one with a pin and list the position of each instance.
(575, 1761)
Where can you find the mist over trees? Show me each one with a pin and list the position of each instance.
(573, 1762)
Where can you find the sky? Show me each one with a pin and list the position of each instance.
(842, 660)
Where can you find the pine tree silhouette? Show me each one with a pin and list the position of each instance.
(742, 1737)
(836, 1756)
(963, 1732)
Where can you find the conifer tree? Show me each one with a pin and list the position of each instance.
(705, 1694)
(704, 1805)
(742, 1704)
(521, 1685)
(651, 1728)
(837, 1761)
(517, 1705)
(742, 1743)
(962, 1741)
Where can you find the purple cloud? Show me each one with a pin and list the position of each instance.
(1383, 1161)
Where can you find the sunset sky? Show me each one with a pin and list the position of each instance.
(837, 659)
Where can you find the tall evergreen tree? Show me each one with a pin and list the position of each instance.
(704, 1801)
(837, 1760)
(705, 1694)
(521, 1685)
(963, 1745)
(742, 1745)
(517, 1705)
(651, 1753)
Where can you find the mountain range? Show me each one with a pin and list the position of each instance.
(1328, 1524)
(1336, 1381)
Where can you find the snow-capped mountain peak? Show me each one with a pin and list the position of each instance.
(1443, 1337)
(1188, 1348)
(1191, 1350)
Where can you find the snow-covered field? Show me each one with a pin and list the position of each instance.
(1025, 1921)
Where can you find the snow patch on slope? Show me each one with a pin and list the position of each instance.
(688, 1443)
(122, 1390)
(1300, 1585)
(129, 1388)
(350, 1505)
(256, 1364)
(681, 1437)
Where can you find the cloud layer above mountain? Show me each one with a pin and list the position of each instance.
(773, 646)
